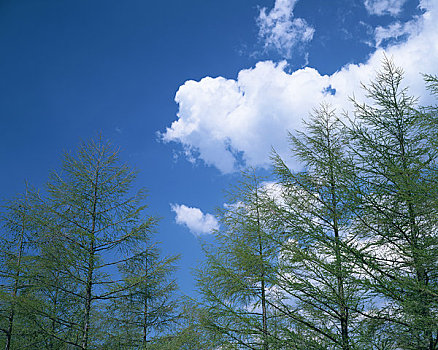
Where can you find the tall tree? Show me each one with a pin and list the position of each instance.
(16, 258)
(235, 282)
(394, 147)
(320, 294)
(96, 223)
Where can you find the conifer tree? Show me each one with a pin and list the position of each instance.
(96, 223)
(320, 295)
(16, 257)
(236, 279)
(393, 143)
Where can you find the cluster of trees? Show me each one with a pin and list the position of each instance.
(340, 255)
(78, 266)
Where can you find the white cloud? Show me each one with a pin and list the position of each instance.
(220, 117)
(194, 219)
(397, 30)
(221, 121)
(384, 7)
(274, 191)
(280, 30)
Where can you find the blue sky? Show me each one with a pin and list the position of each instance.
(192, 91)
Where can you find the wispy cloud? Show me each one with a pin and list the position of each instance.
(280, 31)
(194, 219)
(397, 31)
(384, 7)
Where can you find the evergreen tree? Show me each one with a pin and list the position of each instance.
(16, 257)
(320, 295)
(236, 279)
(394, 147)
(90, 224)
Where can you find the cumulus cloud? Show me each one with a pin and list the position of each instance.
(218, 118)
(228, 123)
(280, 30)
(194, 219)
(384, 7)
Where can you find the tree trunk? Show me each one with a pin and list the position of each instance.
(145, 310)
(263, 287)
(15, 290)
(343, 310)
(91, 257)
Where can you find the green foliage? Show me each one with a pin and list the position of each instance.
(90, 225)
(394, 147)
(16, 260)
(144, 305)
(236, 280)
(316, 278)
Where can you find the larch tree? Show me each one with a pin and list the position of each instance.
(393, 144)
(235, 282)
(96, 224)
(16, 258)
(316, 279)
